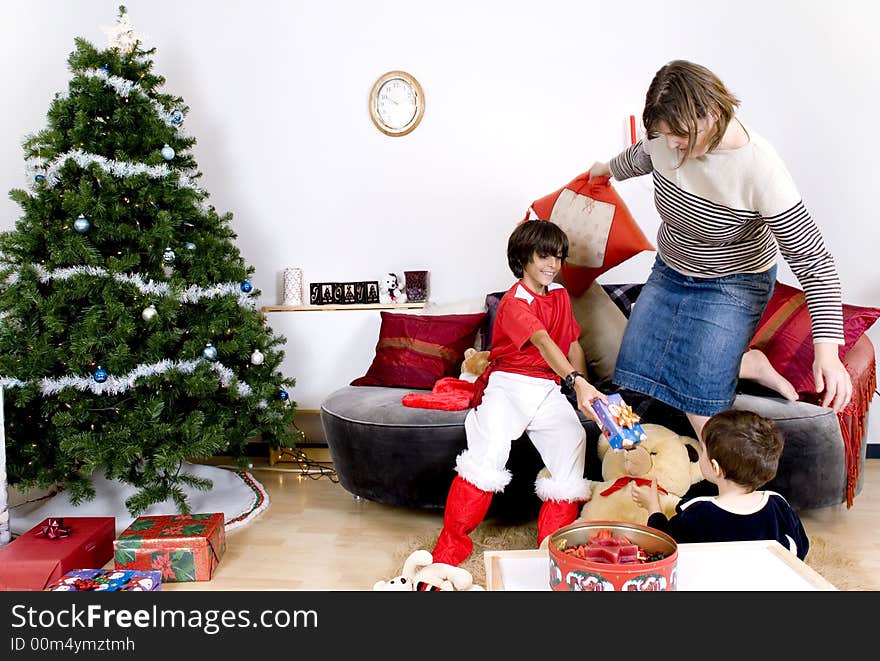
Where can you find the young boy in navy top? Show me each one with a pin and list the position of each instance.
(741, 452)
(534, 347)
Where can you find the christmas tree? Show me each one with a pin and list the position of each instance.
(129, 335)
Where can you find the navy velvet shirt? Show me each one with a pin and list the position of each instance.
(701, 519)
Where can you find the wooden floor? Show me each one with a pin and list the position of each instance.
(316, 536)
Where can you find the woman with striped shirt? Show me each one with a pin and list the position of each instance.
(726, 202)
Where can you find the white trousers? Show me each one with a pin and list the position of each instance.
(513, 404)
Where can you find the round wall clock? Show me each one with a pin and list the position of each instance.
(397, 103)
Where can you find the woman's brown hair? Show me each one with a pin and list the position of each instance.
(682, 93)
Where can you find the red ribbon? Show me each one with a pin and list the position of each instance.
(54, 529)
(85, 584)
(621, 482)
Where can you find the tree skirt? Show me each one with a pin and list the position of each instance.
(235, 493)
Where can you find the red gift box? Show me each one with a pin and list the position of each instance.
(184, 547)
(45, 553)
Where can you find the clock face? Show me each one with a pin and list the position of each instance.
(396, 103)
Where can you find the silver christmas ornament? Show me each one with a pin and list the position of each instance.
(149, 312)
(257, 357)
(167, 152)
(210, 352)
(81, 224)
(168, 256)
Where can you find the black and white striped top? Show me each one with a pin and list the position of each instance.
(726, 212)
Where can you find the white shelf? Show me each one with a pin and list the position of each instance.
(352, 306)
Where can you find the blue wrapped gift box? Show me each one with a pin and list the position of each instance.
(109, 580)
(619, 424)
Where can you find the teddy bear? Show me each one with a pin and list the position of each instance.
(672, 459)
(390, 291)
(474, 364)
(422, 574)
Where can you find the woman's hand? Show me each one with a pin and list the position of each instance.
(599, 170)
(586, 395)
(647, 497)
(831, 376)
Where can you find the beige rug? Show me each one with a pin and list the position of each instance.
(831, 562)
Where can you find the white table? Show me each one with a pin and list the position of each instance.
(758, 565)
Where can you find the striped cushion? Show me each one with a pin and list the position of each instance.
(784, 334)
(415, 351)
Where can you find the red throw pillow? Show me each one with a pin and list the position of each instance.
(784, 334)
(415, 351)
(601, 232)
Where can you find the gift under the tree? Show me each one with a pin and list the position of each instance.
(107, 580)
(183, 547)
(54, 547)
(620, 424)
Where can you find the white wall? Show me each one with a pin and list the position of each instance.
(521, 97)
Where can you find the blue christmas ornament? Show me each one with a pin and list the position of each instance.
(100, 375)
(105, 68)
(39, 177)
(176, 118)
(284, 395)
(189, 245)
(246, 286)
(210, 352)
(168, 256)
(167, 152)
(81, 224)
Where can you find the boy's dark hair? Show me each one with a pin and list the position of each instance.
(746, 446)
(535, 236)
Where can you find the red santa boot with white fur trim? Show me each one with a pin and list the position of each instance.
(466, 507)
(555, 514)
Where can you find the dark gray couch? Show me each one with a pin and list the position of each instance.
(389, 453)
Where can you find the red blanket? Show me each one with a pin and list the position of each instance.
(448, 394)
(853, 418)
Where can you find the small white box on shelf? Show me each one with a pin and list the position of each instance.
(292, 287)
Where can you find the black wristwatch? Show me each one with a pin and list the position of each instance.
(569, 380)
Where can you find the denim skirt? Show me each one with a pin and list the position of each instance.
(686, 337)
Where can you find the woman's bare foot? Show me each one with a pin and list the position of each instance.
(755, 366)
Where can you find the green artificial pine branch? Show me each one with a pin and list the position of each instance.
(69, 305)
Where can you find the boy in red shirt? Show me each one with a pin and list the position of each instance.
(534, 347)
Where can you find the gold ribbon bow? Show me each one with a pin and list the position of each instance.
(624, 415)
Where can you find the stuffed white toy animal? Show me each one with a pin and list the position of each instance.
(422, 574)
(390, 291)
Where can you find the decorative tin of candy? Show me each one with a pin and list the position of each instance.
(605, 556)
